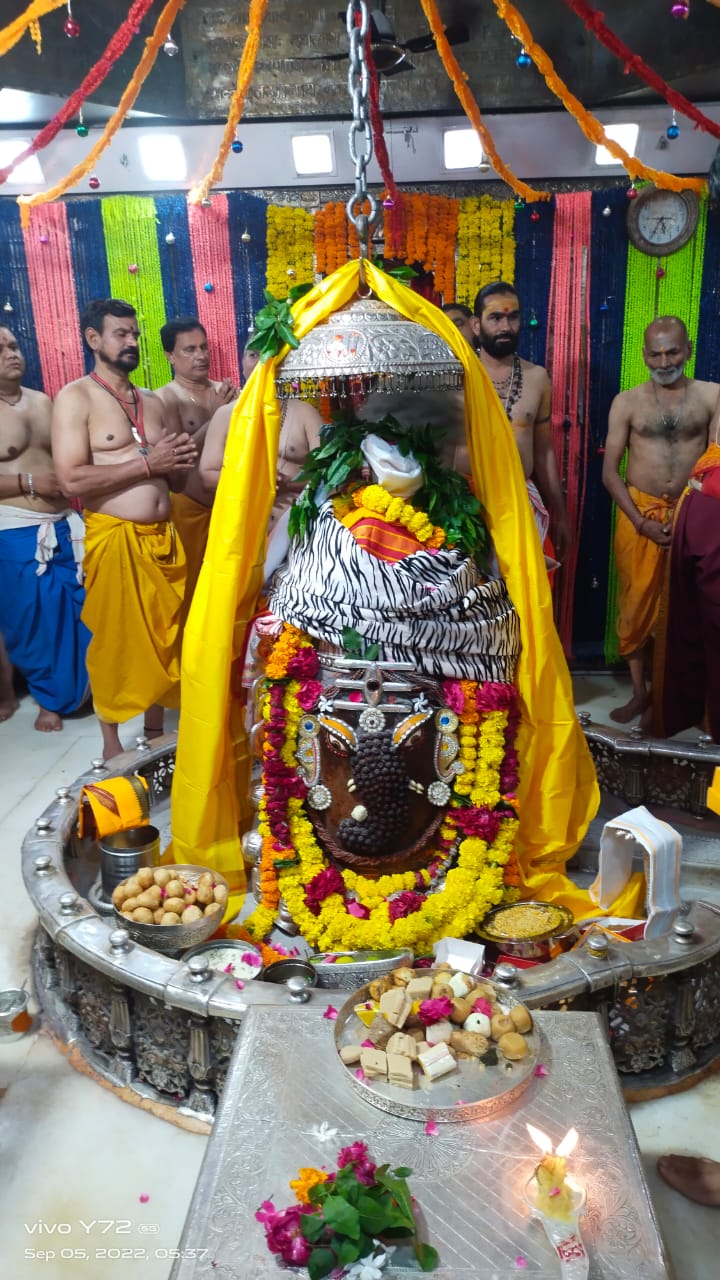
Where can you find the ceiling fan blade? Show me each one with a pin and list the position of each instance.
(457, 33)
(320, 57)
(405, 65)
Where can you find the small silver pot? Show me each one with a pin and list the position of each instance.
(14, 1017)
(281, 970)
(125, 853)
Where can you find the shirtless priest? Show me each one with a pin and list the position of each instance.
(663, 424)
(195, 396)
(41, 595)
(120, 450)
(524, 391)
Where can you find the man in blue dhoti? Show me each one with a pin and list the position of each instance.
(41, 593)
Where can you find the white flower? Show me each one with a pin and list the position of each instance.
(371, 1267)
(323, 1132)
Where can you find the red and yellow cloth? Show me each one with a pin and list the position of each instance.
(115, 804)
(558, 793)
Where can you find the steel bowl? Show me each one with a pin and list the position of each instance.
(171, 938)
(545, 944)
(14, 1017)
(351, 969)
(291, 967)
(225, 951)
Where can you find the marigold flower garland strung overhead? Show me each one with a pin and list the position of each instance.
(589, 123)
(245, 75)
(153, 45)
(458, 79)
(16, 29)
(330, 224)
(290, 238)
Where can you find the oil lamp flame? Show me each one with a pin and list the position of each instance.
(568, 1144)
(540, 1139)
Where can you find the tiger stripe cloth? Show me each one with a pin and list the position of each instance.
(434, 610)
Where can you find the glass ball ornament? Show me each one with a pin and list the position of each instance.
(607, 211)
(533, 322)
(209, 287)
(519, 204)
(523, 60)
(604, 307)
(291, 272)
(660, 273)
(82, 131)
(170, 47)
(388, 203)
(631, 193)
(132, 268)
(44, 239)
(71, 27)
(672, 131)
(680, 11)
(246, 237)
(169, 239)
(236, 146)
(534, 216)
(93, 182)
(8, 307)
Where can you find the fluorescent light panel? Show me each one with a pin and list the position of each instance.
(462, 149)
(312, 154)
(29, 172)
(162, 156)
(625, 134)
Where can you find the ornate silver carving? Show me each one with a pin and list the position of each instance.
(368, 345)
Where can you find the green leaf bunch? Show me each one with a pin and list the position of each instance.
(349, 1216)
(274, 324)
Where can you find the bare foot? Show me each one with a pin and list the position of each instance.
(8, 707)
(48, 721)
(693, 1176)
(633, 708)
(112, 746)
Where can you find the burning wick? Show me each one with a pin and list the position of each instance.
(555, 1197)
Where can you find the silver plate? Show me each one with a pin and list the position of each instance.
(348, 975)
(473, 1092)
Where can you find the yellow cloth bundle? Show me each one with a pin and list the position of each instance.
(115, 804)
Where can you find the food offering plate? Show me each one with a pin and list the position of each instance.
(530, 930)
(473, 1092)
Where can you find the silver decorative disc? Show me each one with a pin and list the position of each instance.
(372, 720)
(319, 797)
(438, 793)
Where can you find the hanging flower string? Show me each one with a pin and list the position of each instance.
(485, 245)
(393, 195)
(245, 75)
(330, 229)
(153, 45)
(588, 123)
(16, 29)
(114, 50)
(459, 82)
(594, 22)
(290, 240)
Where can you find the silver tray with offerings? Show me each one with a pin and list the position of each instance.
(436, 1045)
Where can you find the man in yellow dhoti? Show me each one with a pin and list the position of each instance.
(663, 424)
(119, 449)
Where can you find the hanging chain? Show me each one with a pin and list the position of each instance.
(360, 139)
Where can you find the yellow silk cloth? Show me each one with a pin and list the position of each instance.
(192, 521)
(641, 566)
(558, 792)
(134, 583)
(116, 804)
(389, 542)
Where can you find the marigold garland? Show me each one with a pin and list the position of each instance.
(347, 911)
(16, 29)
(153, 45)
(289, 248)
(245, 75)
(330, 227)
(458, 78)
(394, 511)
(485, 245)
(589, 123)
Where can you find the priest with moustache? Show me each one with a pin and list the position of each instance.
(121, 451)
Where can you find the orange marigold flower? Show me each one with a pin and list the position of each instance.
(303, 1184)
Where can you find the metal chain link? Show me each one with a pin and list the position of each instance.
(360, 139)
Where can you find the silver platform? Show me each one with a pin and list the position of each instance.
(468, 1181)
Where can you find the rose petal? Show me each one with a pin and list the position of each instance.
(555, 1191)
(144, 1198)
(431, 1129)
(240, 985)
(330, 1013)
(367, 1044)
(541, 1071)
(228, 969)
(520, 1261)
(460, 1103)
(360, 1075)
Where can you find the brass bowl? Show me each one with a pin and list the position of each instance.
(171, 938)
(556, 931)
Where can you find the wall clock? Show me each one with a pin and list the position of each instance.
(660, 222)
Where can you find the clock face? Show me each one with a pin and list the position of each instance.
(664, 218)
(659, 222)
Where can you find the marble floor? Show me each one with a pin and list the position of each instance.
(93, 1180)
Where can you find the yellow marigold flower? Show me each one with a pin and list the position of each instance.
(303, 1184)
